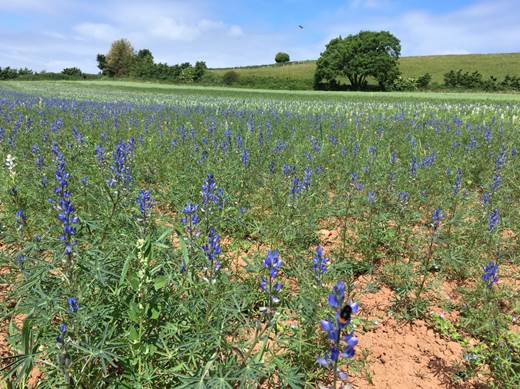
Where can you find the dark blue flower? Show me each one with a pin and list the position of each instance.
(20, 216)
(413, 167)
(493, 219)
(62, 329)
(190, 212)
(341, 346)
(245, 158)
(121, 165)
(64, 205)
(272, 263)
(437, 216)
(212, 249)
(100, 153)
(490, 274)
(501, 158)
(496, 183)
(458, 182)
(144, 201)
(211, 194)
(319, 263)
(486, 197)
(73, 304)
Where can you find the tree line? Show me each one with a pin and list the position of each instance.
(123, 61)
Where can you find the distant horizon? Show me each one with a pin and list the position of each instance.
(54, 34)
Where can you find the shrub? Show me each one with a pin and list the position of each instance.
(424, 81)
(73, 72)
(230, 77)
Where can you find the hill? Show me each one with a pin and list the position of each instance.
(299, 75)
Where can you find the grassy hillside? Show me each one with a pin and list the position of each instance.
(301, 73)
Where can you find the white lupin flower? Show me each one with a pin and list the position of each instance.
(10, 165)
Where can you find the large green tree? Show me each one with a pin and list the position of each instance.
(120, 58)
(282, 57)
(143, 65)
(358, 57)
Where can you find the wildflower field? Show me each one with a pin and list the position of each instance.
(210, 239)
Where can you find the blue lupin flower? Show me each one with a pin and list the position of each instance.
(212, 250)
(341, 346)
(493, 219)
(245, 158)
(64, 205)
(437, 216)
(490, 274)
(403, 197)
(458, 182)
(393, 157)
(20, 217)
(61, 337)
(413, 167)
(272, 263)
(371, 197)
(486, 197)
(501, 158)
(73, 305)
(144, 201)
(319, 263)
(190, 217)
(100, 153)
(211, 194)
(121, 169)
(496, 183)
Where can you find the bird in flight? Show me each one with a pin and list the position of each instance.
(301, 27)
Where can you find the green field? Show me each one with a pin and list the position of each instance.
(498, 65)
(115, 90)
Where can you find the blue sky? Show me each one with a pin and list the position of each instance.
(53, 34)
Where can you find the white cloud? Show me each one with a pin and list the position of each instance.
(97, 31)
(368, 3)
(179, 31)
(485, 26)
(235, 31)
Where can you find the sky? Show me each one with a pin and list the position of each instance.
(53, 34)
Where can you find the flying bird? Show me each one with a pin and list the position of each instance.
(301, 27)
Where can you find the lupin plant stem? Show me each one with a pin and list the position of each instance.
(437, 216)
(426, 266)
(115, 202)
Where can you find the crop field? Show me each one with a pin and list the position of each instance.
(173, 237)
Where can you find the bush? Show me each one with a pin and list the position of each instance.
(404, 84)
(282, 57)
(424, 81)
(73, 72)
(230, 77)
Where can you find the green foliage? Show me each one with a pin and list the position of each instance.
(357, 57)
(231, 77)
(281, 57)
(102, 64)
(199, 70)
(119, 58)
(474, 80)
(424, 81)
(73, 72)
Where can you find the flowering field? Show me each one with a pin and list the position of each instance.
(205, 239)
